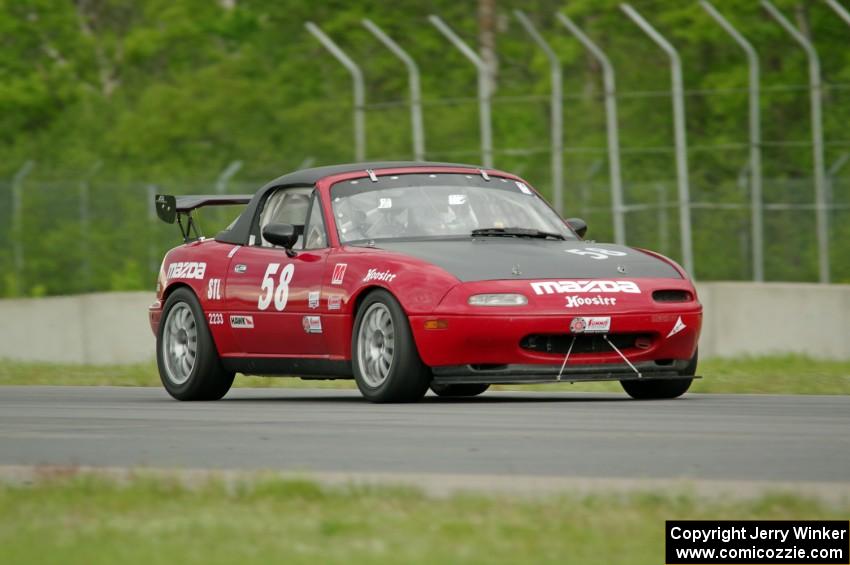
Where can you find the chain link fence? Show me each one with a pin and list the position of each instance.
(75, 236)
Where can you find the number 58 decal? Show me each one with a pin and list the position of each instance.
(596, 252)
(279, 294)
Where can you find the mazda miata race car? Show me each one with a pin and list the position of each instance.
(405, 276)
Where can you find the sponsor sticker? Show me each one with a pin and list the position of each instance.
(186, 270)
(216, 318)
(584, 286)
(313, 299)
(457, 199)
(376, 275)
(339, 273)
(523, 188)
(232, 252)
(240, 268)
(598, 300)
(590, 325)
(312, 324)
(677, 327)
(242, 322)
(214, 289)
(385, 203)
(334, 302)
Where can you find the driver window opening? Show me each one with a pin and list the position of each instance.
(292, 206)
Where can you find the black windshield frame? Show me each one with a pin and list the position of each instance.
(347, 188)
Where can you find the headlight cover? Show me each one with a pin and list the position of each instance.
(501, 299)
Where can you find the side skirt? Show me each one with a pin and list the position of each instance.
(304, 368)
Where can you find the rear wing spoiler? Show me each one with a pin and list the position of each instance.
(172, 208)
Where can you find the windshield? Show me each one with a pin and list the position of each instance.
(434, 206)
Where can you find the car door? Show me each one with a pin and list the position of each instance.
(272, 295)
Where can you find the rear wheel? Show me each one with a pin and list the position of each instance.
(386, 364)
(189, 366)
(458, 390)
(659, 389)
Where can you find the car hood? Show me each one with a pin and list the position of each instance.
(522, 258)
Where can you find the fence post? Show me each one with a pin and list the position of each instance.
(85, 223)
(663, 229)
(484, 113)
(18, 222)
(831, 173)
(756, 200)
(821, 218)
(414, 86)
(556, 113)
(613, 134)
(679, 133)
(359, 88)
(224, 177)
(840, 10)
(153, 260)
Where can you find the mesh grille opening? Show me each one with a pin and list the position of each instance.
(585, 343)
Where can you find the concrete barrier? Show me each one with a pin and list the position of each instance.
(99, 329)
(775, 318)
(740, 319)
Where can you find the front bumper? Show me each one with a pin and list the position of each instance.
(497, 339)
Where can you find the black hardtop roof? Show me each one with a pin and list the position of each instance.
(240, 233)
(311, 176)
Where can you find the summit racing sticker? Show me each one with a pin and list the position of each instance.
(584, 286)
(312, 324)
(186, 270)
(588, 325)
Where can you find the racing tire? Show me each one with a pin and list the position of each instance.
(662, 388)
(384, 359)
(454, 391)
(188, 362)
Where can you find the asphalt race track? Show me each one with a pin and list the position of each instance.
(718, 437)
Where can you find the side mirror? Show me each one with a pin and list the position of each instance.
(284, 235)
(579, 226)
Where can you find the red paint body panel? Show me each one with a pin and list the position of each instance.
(475, 334)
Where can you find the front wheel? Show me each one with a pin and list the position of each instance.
(661, 389)
(386, 364)
(189, 366)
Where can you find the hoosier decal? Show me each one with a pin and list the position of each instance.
(186, 270)
(598, 300)
(376, 275)
(584, 286)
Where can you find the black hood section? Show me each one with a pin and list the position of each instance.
(499, 258)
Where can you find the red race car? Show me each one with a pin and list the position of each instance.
(405, 276)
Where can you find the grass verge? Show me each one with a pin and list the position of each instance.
(790, 374)
(146, 520)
